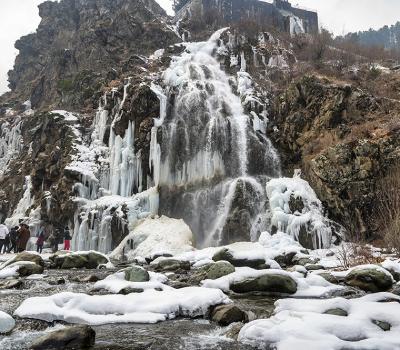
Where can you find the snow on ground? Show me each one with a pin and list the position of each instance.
(303, 324)
(151, 306)
(116, 282)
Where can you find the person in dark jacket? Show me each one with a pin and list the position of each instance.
(23, 237)
(13, 239)
(67, 239)
(6, 243)
(40, 241)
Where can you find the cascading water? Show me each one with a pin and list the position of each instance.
(205, 150)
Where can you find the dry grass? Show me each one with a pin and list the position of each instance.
(353, 254)
(388, 209)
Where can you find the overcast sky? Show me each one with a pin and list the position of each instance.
(19, 17)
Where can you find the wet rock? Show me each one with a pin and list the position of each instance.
(224, 315)
(314, 267)
(369, 279)
(336, 312)
(285, 260)
(233, 331)
(385, 326)
(172, 265)
(136, 274)
(227, 255)
(329, 277)
(272, 283)
(25, 256)
(77, 337)
(296, 204)
(10, 284)
(86, 279)
(130, 290)
(7, 323)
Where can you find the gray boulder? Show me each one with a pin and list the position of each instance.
(136, 274)
(226, 255)
(369, 279)
(25, 256)
(172, 265)
(272, 283)
(224, 315)
(74, 338)
(91, 260)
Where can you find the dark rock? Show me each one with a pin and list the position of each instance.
(233, 331)
(369, 280)
(219, 269)
(77, 337)
(336, 312)
(385, 326)
(129, 290)
(227, 255)
(10, 284)
(29, 269)
(314, 267)
(172, 265)
(296, 204)
(91, 260)
(227, 314)
(329, 277)
(285, 260)
(272, 283)
(86, 279)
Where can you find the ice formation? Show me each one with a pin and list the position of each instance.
(10, 142)
(308, 216)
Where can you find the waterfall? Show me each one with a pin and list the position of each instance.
(10, 142)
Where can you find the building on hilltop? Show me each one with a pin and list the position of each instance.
(280, 14)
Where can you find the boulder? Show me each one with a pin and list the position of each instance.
(172, 265)
(224, 315)
(90, 260)
(369, 279)
(285, 260)
(227, 255)
(25, 256)
(7, 323)
(314, 267)
(385, 326)
(304, 260)
(219, 269)
(10, 284)
(77, 337)
(336, 312)
(29, 268)
(272, 283)
(329, 277)
(136, 274)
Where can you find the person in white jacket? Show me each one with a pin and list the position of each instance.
(3, 235)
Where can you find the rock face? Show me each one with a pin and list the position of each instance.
(271, 283)
(369, 279)
(81, 45)
(341, 138)
(71, 338)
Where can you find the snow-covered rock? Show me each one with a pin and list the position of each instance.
(151, 306)
(156, 236)
(7, 323)
(304, 324)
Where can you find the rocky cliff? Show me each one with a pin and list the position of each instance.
(113, 117)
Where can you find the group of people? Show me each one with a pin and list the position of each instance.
(55, 238)
(14, 240)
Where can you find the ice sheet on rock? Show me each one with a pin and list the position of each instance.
(154, 236)
(148, 307)
(11, 142)
(311, 217)
(300, 323)
(116, 282)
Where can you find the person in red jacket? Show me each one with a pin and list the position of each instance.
(40, 241)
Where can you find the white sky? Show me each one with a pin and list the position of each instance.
(20, 17)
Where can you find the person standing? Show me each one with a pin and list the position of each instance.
(40, 241)
(13, 239)
(6, 243)
(3, 235)
(23, 237)
(67, 239)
